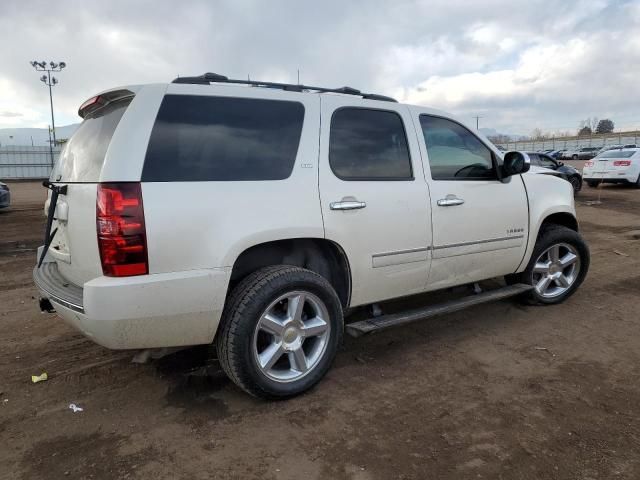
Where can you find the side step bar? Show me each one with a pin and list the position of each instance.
(375, 324)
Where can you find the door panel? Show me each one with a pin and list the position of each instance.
(386, 231)
(480, 224)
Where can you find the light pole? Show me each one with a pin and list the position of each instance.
(50, 82)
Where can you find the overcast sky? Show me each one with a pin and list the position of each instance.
(518, 64)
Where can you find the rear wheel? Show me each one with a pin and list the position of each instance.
(592, 183)
(575, 157)
(280, 331)
(558, 265)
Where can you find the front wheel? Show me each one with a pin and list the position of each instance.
(558, 265)
(575, 183)
(280, 331)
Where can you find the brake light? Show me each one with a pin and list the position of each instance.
(122, 238)
(621, 163)
(588, 164)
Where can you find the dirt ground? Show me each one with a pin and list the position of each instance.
(501, 391)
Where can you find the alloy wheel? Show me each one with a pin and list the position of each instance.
(556, 270)
(291, 336)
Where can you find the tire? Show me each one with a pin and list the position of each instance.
(637, 184)
(568, 241)
(592, 184)
(575, 157)
(243, 340)
(575, 183)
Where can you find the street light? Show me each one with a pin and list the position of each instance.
(50, 82)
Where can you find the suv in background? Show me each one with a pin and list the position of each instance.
(258, 219)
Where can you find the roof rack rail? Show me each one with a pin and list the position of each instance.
(207, 78)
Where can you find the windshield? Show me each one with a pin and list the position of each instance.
(83, 155)
(617, 154)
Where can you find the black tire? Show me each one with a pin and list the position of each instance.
(637, 184)
(593, 184)
(576, 183)
(249, 299)
(552, 235)
(575, 157)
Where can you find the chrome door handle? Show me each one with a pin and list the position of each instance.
(450, 201)
(347, 205)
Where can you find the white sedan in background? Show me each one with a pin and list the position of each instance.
(614, 166)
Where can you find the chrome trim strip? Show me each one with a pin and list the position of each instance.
(52, 296)
(478, 242)
(400, 252)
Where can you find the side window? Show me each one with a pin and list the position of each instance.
(546, 162)
(367, 144)
(205, 138)
(535, 160)
(454, 152)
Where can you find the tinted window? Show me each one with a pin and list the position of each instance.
(454, 152)
(202, 138)
(534, 158)
(546, 161)
(82, 157)
(368, 145)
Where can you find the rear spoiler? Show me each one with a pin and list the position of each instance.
(102, 100)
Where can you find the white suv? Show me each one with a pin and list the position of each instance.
(257, 215)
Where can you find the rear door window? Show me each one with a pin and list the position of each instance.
(83, 155)
(367, 144)
(206, 138)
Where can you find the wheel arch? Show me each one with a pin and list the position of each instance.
(322, 256)
(565, 219)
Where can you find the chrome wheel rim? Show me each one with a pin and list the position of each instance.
(556, 270)
(291, 336)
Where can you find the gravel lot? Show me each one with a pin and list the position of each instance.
(500, 391)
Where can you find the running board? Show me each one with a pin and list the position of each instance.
(375, 324)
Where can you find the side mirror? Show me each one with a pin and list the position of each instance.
(515, 163)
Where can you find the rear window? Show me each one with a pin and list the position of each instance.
(617, 154)
(204, 138)
(82, 157)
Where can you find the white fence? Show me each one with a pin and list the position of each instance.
(21, 161)
(571, 143)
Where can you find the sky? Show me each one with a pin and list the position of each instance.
(519, 65)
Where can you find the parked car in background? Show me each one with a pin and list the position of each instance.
(556, 154)
(5, 195)
(630, 145)
(561, 170)
(614, 166)
(585, 153)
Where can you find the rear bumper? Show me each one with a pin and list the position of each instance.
(147, 311)
(611, 177)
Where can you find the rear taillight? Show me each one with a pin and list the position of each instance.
(588, 164)
(122, 238)
(621, 163)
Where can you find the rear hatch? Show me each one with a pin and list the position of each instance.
(74, 246)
